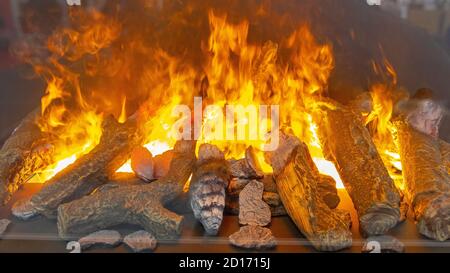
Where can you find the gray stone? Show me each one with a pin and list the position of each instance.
(108, 238)
(252, 209)
(4, 223)
(23, 209)
(253, 237)
(140, 241)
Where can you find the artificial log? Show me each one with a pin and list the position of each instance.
(22, 155)
(90, 170)
(139, 205)
(297, 184)
(207, 187)
(347, 143)
(426, 179)
(445, 153)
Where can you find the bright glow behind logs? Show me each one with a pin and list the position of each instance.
(325, 166)
(236, 72)
(156, 147)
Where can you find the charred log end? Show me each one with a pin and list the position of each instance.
(378, 220)
(333, 240)
(434, 222)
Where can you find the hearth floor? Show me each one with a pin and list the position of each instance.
(40, 235)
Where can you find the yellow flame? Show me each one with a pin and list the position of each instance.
(237, 73)
(384, 96)
(123, 112)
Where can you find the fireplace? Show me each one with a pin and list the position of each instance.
(268, 125)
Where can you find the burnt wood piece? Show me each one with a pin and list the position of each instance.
(272, 199)
(207, 188)
(247, 167)
(142, 205)
(21, 156)
(297, 183)
(426, 179)
(445, 152)
(89, 171)
(237, 184)
(347, 143)
(327, 189)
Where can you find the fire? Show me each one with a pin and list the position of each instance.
(384, 96)
(156, 147)
(233, 71)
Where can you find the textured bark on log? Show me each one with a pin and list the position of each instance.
(426, 179)
(140, 205)
(347, 142)
(20, 157)
(90, 170)
(326, 229)
(445, 152)
(207, 188)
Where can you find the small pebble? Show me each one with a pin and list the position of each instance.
(109, 238)
(140, 241)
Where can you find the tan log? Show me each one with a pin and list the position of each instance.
(297, 184)
(426, 179)
(347, 143)
(23, 154)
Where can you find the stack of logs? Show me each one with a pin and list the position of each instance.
(84, 199)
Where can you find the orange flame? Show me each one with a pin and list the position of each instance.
(234, 72)
(384, 96)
